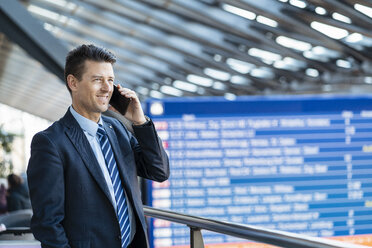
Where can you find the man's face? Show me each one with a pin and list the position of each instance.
(91, 95)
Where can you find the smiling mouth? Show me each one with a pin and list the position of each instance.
(102, 97)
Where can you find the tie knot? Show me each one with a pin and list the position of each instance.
(101, 131)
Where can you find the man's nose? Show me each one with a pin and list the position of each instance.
(107, 85)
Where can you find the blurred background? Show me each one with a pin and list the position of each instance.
(176, 48)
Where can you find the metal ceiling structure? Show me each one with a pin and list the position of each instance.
(201, 47)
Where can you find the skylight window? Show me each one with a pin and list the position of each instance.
(341, 18)
(207, 82)
(238, 11)
(321, 54)
(331, 31)
(170, 90)
(312, 72)
(281, 64)
(43, 12)
(327, 87)
(200, 91)
(262, 73)
(219, 86)
(320, 11)
(314, 56)
(266, 55)
(294, 62)
(343, 63)
(363, 9)
(368, 80)
(157, 108)
(266, 21)
(230, 96)
(240, 66)
(48, 27)
(156, 94)
(240, 80)
(217, 57)
(142, 90)
(319, 50)
(268, 62)
(49, 14)
(63, 3)
(298, 3)
(185, 86)
(354, 38)
(292, 43)
(155, 86)
(220, 75)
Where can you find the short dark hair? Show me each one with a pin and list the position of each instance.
(14, 181)
(76, 58)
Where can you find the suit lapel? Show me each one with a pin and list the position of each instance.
(81, 144)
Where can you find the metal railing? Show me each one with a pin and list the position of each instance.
(253, 233)
(196, 224)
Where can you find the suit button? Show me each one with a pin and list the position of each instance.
(119, 238)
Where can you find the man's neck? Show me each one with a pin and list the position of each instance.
(91, 116)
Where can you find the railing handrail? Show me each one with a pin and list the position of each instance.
(254, 233)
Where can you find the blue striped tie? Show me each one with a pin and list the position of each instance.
(121, 203)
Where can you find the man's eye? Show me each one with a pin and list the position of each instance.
(97, 79)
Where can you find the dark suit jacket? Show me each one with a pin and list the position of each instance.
(69, 195)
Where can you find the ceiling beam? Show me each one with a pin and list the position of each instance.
(22, 28)
(346, 8)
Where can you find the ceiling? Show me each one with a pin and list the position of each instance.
(168, 48)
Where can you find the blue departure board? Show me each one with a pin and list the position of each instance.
(301, 164)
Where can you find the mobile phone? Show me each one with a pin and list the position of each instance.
(119, 102)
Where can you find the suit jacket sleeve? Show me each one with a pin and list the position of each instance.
(46, 184)
(151, 159)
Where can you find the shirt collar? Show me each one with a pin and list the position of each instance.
(87, 125)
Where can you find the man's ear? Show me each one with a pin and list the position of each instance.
(72, 82)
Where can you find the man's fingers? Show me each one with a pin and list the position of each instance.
(128, 93)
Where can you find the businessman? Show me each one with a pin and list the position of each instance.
(83, 169)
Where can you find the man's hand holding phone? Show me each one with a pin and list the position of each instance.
(126, 102)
